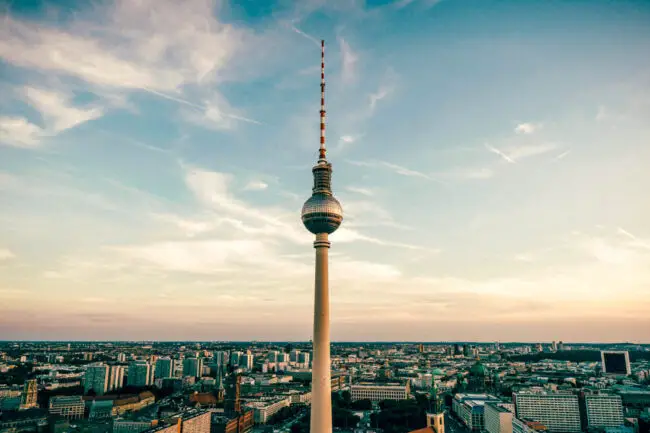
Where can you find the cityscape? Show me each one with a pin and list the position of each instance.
(246, 387)
(478, 216)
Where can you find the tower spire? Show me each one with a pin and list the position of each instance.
(321, 152)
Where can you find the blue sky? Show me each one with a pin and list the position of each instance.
(490, 156)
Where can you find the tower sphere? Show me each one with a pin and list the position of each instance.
(322, 213)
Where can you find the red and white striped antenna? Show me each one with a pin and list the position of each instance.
(322, 101)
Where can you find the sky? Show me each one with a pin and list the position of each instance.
(491, 158)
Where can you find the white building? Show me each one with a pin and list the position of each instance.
(470, 408)
(193, 367)
(558, 412)
(264, 410)
(96, 379)
(498, 418)
(377, 392)
(604, 410)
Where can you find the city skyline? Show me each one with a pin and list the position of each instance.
(490, 160)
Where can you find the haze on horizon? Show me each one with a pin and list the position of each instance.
(491, 158)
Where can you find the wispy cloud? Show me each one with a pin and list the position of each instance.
(527, 128)
(363, 191)
(500, 153)
(19, 132)
(468, 173)
(349, 61)
(256, 185)
(563, 154)
(637, 241)
(397, 169)
(377, 96)
(515, 153)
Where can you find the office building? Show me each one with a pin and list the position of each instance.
(121, 357)
(30, 395)
(71, 407)
(293, 356)
(139, 374)
(470, 408)
(560, 413)
(378, 392)
(603, 410)
(615, 362)
(498, 418)
(193, 367)
(272, 356)
(283, 358)
(303, 358)
(96, 379)
(164, 368)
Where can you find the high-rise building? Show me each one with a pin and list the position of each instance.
(293, 356)
(603, 410)
(303, 358)
(560, 413)
(272, 356)
(193, 367)
(121, 357)
(30, 395)
(246, 361)
(234, 359)
(615, 362)
(139, 374)
(322, 215)
(115, 377)
(164, 368)
(221, 358)
(283, 358)
(232, 404)
(96, 379)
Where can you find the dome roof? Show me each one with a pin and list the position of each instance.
(437, 372)
(478, 369)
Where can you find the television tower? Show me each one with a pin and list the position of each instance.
(321, 215)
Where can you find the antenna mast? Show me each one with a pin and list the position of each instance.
(322, 101)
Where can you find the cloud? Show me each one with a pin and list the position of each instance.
(397, 169)
(563, 155)
(527, 128)
(349, 61)
(19, 132)
(256, 185)
(58, 112)
(468, 173)
(513, 154)
(345, 234)
(500, 153)
(6, 254)
(132, 47)
(363, 191)
(377, 96)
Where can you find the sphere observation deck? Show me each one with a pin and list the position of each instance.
(322, 213)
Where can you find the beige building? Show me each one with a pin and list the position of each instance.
(560, 413)
(71, 407)
(604, 410)
(498, 418)
(264, 410)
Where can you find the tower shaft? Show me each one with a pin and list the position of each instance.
(321, 385)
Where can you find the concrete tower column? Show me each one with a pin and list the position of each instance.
(321, 386)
